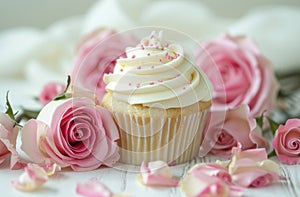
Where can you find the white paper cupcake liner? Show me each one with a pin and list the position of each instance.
(168, 139)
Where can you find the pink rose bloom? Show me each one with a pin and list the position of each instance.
(226, 129)
(72, 132)
(241, 75)
(97, 55)
(287, 142)
(50, 91)
(8, 136)
(252, 168)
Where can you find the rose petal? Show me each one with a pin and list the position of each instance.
(8, 136)
(93, 188)
(32, 179)
(157, 173)
(31, 135)
(211, 170)
(204, 185)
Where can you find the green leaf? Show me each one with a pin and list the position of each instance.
(272, 154)
(260, 120)
(64, 95)
(9, 110)
(273, 125)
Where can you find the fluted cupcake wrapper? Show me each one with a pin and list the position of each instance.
(170, 139)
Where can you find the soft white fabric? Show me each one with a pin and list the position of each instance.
(276, 30)
(42, 55)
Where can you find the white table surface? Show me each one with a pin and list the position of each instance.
(64, 183)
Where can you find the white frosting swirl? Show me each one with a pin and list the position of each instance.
(156, 72)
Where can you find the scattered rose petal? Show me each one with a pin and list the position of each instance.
(157, 173)
(50, 169)
(251, 168)
(32, 179)
(211, 170)
(201, 184)
(94, 188)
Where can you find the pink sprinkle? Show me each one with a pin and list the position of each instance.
(167, 54)
(151, 45)
(138, 85)
(133, 57)
(152, 36)
(148, 54)
(157, 47)
(151, 83)
(160, 60)
(178, 75)
(139, 67)
(162, 48)
(142, 46)
(167, 45)
(129, 84)
(152, 67)
(183, 88)
(160, 81)
(121, 69)
(190, 82)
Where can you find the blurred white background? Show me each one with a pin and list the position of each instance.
(38, 38)
(41, 13)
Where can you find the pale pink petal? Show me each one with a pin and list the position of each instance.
(32, 179)
(204, 185)
(8, 135)
(50, 169)
(255, 178)
(256, 154)
(211, 170)
(93, 188)
(157, 173)
(31, 134)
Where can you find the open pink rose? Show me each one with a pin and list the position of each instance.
(287, 142)
(225, 129)
(50, 91)
(242, 75)
(97, 55)
(72, 132)
(8, 136)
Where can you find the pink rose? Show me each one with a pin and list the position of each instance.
(96, 56)
(241, 76)
(72, 132)
(8, 136)
(225, 129)
(50, 91)
(287, 142)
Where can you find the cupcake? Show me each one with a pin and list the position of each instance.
(159, 100)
